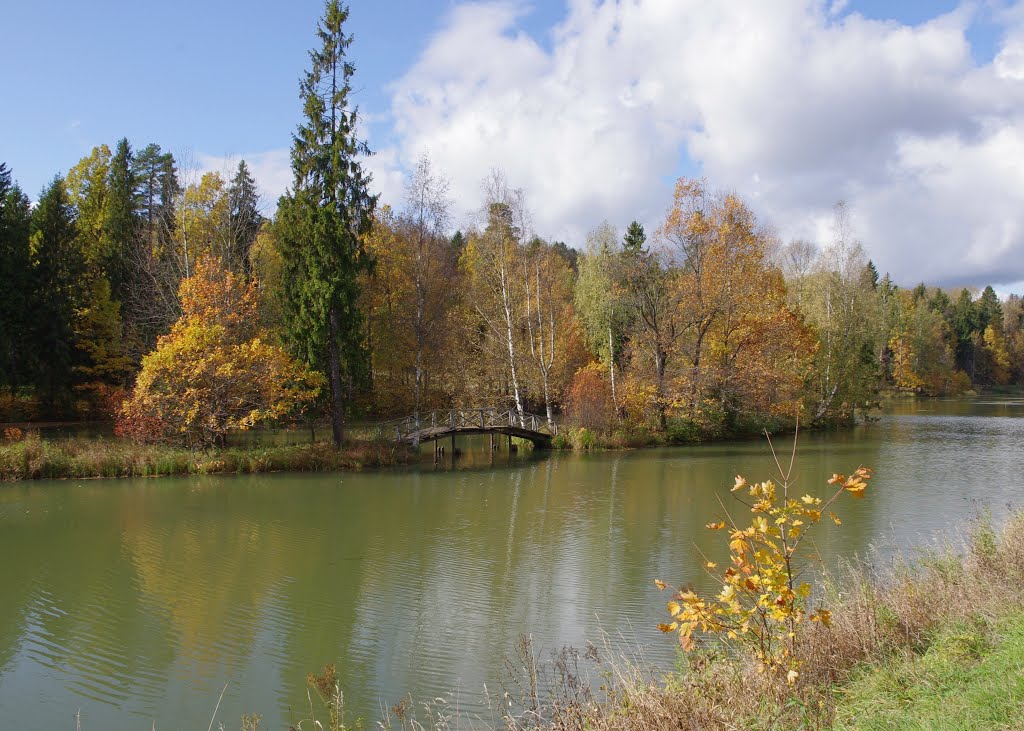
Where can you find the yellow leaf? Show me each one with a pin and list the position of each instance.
(808, 499)
(741, 482)
(660, 584)
(835, 518)
(673, 608)
(711, 565)
(791, 676)
(715, 526)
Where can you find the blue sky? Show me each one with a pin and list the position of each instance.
(213, 77)
(594, 110)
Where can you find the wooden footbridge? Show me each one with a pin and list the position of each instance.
(437, 425)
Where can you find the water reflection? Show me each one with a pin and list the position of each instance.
(140, 599)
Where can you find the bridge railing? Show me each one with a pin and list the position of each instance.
(441, 421)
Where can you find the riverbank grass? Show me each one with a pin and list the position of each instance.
(32, 458)
(934, 643)
(971, 677)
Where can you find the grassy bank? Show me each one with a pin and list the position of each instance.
(933, 644)
(34, 458)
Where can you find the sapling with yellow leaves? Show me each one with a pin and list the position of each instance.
(763, 597)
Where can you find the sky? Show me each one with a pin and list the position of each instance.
(911, 112)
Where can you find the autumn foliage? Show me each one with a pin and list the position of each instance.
(764, 598)
(215, 370)
(589, 400)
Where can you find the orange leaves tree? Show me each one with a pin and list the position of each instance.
(214, 371)
(741, 345)
(763, 599)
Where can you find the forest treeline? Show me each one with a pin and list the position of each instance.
(133, 277)
(709, 321)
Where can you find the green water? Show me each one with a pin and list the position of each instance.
(137, 601)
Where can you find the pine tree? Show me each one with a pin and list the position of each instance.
(15, 276)
(322, 221)
(58, 269)
(155, 177)
(243, 199)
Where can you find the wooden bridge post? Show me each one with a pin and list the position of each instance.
(453, 448)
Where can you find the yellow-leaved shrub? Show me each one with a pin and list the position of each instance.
(763, 597)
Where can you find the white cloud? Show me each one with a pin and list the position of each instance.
(271, 169)
(788, 103)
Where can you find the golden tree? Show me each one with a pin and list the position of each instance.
(214, 371)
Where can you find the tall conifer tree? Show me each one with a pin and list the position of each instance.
(322, 221)
(243, 199)
(58, 271)
(121, 224)
(15, 281)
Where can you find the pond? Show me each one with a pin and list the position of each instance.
(138, 600)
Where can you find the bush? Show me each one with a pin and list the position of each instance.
(682, 431)
(764, 598)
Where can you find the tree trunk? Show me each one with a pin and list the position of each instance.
(660, 361)
(334, 366)
(611, 370)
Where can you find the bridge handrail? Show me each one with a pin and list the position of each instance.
(407, 427)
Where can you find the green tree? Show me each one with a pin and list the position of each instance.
(963, 318)
(87, 184)
(245, 218)
(598, 299)
(323, 219)
(990, 310)
(155, 175)
(15, 274)
(635, 238)
(121, 223)
(58, 269)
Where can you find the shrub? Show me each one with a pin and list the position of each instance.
(582, 438)
(763, 599)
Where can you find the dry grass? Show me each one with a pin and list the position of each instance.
(878, 619)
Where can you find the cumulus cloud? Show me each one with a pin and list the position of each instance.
(793, 104)
(271, 169)
(273, 173)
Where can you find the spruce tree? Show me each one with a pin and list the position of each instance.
(121, 223)
(322, 221)
(15, 276)
(57, 273)
(243, 200)
(635, 238)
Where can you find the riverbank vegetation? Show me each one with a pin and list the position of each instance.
(341, 304)
(30, 457)
(929, 642)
